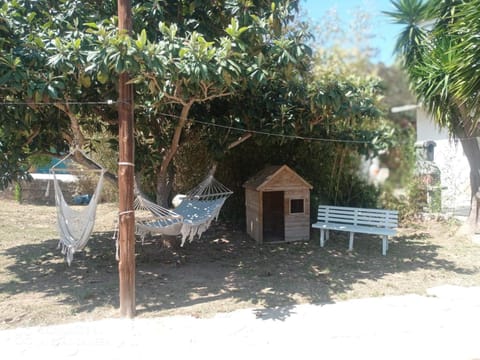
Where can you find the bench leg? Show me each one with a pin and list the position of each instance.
(322, 237)
(384, 244)
(327, 235)
(350, 244)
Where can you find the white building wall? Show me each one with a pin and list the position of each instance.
(452, 162)
(427, 129)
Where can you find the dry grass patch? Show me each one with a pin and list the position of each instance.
(222, 272)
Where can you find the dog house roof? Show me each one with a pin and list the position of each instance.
(272, 173)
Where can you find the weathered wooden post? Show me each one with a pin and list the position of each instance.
(126, 232)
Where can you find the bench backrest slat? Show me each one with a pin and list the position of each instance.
(358, 216)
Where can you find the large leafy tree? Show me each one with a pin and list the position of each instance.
(233, 63)
(43, 111)
(438, 38)
(69, 53)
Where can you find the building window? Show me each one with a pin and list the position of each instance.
(297, 206)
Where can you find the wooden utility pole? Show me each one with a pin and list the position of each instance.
(126, 231)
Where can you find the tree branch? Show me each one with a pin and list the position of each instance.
(78, 137)
(316, 121)
(214, 96)
(240, 140)
(32, 136)
(174, 99)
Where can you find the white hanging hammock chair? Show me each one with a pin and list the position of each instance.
(75, 225)
(191, 218)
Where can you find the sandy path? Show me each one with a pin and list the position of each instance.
(443, 325)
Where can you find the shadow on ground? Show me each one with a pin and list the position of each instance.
(218, 272)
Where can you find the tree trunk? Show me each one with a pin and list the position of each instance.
(472, 152)
(163, 185)
(467, 134)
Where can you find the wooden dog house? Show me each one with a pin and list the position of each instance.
(277, 202)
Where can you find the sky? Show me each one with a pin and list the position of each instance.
(385, 33)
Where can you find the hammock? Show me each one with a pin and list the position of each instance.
(191, 218)
(154, 219)
(75, 225)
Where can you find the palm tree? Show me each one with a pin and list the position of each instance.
(432, 47)
(466, 79)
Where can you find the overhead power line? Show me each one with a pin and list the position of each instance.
(265, 133)
(45, 103)
(258, 132)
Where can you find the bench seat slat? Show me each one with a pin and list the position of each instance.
(365, 222)
(355, 228)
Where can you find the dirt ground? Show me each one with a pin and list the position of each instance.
(223, 271)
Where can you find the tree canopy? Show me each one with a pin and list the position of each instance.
(237, 64)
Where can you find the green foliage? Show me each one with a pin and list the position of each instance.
(401, 157)
(465, 28)
(431, 54)
(439, 49)
(178, 53)
(331, 170)
(236, 64)
(406, 208)
(411, 41)
(413, 200)
(343, 53)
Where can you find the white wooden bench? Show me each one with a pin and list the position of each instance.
(356, 220)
